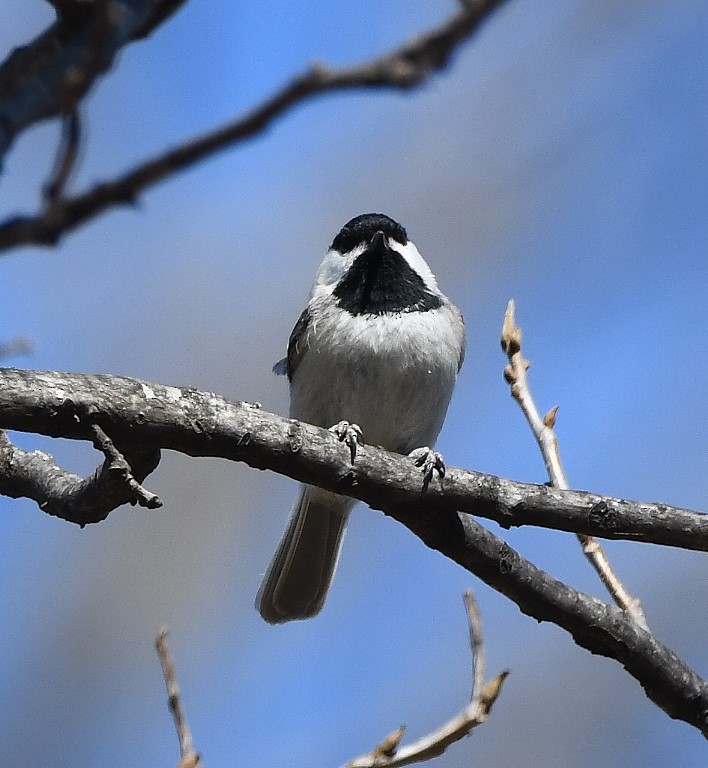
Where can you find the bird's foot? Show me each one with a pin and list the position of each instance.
(431, 461)
(349, 434)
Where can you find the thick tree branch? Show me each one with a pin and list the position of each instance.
(52, 74)
(149, 416)
(404, 68)
(142, 416)
(600, 628)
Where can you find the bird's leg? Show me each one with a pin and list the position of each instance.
(349, 434)
(431, 461)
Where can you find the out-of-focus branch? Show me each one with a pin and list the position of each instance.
(408, 66)
(65, 160)
(542, 428)
(53, 73)
(18, 346)
(388, 754)
(188, 757)
(150, 416)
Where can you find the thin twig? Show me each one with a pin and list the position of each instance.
(65, 160)
(118, 464)
(188, 757)
(388, 755)
(474, 621)
(542, 428)
(404, 68)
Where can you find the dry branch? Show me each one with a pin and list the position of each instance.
(188, 757)
(408, 66)
(142, 417)
(542, 428)
(147, 417)
(65, 159)
(117, 463)
(35, 475)
(389, 755)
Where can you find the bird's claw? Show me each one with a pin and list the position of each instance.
(431, 461)
(349, 434)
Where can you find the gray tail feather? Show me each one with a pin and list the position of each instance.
(298, 578)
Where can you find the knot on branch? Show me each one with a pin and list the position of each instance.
(602, 514)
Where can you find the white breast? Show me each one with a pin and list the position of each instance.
(392, 375)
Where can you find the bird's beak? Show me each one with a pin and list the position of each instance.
(379, 244)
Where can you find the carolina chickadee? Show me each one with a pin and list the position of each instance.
(380, 345)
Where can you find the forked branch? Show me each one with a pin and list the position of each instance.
(389, 754)
(542, 428)
(404, 68)
(144, 417)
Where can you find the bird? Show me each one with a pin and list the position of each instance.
(374, 357)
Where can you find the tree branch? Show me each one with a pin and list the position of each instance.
(35, 475)
(188, 757)
(404, 68)
(600, 628)
(65, 160)
(18, 346)
(389, 755)
(542, 428)
(52, 74)
(141, 417)
(150, 416)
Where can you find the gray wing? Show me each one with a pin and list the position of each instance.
(463, 345)
(296, 347)
(462, 334)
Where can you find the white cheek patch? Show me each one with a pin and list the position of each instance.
(416, 262)
(334, 267)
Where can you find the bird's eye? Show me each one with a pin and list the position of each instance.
(346, 241)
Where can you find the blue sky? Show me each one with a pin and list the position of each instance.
(561, 160)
